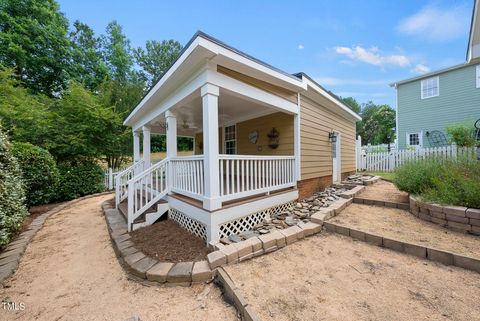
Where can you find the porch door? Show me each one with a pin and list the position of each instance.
(336, 158)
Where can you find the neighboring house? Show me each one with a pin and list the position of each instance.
(428, 104)
(263, 139)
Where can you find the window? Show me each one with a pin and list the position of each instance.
(414, 139)
(230, 138)
(478, 76)
(429, 87)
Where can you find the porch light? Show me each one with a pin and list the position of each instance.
(332, 136)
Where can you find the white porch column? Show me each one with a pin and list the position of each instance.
(296, 142)
(146, 147)
(210, 94)
(171, 134)
(136, 146)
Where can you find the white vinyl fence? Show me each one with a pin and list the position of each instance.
(388, 161)
(110, 175)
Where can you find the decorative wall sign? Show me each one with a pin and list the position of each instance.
(253, 137)
(273, 138)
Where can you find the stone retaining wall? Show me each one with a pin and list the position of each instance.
(457, 218)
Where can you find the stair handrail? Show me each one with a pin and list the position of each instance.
(141, 192)
(122, 178)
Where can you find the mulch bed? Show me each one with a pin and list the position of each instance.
(167, 241)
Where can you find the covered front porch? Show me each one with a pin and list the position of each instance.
(245, 149)
(242, 148)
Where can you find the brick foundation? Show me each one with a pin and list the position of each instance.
(309, 186)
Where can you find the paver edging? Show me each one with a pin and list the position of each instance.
(259, 245)
(142, 267)
(9, 261)
(233, 295)
(457, 218)
(429, 253)
(369, 201)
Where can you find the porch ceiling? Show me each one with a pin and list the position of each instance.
(231, 109)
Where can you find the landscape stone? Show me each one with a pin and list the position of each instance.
(180, 273)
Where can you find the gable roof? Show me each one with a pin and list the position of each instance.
(201, 39)
(474, 28)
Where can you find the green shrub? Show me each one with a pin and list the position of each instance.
(79, 178)
(40, 173)
(12, 194)
(462, 134)
(445, 181)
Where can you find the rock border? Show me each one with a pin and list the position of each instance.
(10, 257)
(457, 218)
(233, 296)
(258, 245)
(432, 254)
(370, 201)
(136, 263)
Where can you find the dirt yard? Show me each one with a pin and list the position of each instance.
(401, 225)
(167, 241)
(384, 191)
(70, 272)
(330, 277)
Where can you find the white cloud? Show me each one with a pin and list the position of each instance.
(373, 56)
(421, 69)
(435, 24)
(300, 46)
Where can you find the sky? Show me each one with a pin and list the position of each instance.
(352, 48)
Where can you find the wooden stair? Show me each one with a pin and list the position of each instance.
(142, 219)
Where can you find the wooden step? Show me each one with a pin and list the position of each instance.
(123, 209)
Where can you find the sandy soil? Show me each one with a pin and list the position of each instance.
(401, 225)
(384, 191)
(330, 277)
(70, 272)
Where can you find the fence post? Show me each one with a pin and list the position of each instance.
(358, 154)
(391, 162)
(454, 151)
(110, 178)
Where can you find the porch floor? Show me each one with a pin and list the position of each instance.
(233, 203)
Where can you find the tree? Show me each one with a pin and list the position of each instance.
(25, 116)
(377, 124)
(81, 126)
(352, 104)
(87, 64)
(33, 41)
(118, 53)
(156, 58)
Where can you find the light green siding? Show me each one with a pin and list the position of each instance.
(458, 101)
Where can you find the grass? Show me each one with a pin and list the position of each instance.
(389, 176)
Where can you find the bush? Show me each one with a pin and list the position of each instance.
(40, 173)
(445, 181)
(462, 134)
(12, 194)
(79, 178)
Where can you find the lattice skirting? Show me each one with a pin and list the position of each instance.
(191, 225)
(248, 222)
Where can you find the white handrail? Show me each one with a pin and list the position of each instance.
(122, 178)
(146, 189)
(247, 175)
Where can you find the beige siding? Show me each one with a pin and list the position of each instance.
(316, 122)
(283, 123)
(281, 92)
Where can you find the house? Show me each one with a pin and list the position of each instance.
(428, 104)
(263, 139)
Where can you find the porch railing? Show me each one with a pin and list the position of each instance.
(122, 178)
(187, 176)
(245, 175)
(146, 189)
